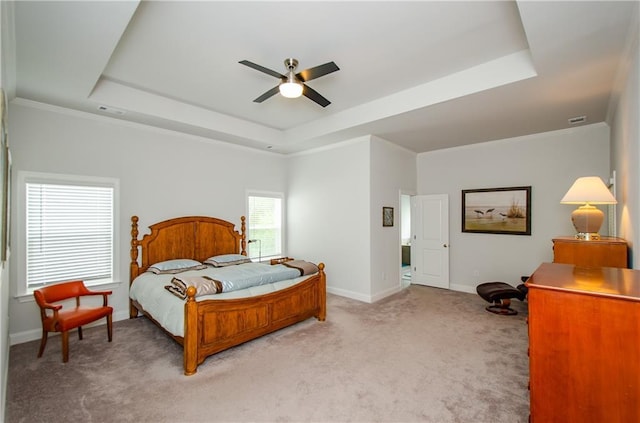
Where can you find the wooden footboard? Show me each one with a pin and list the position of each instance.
(214, 325)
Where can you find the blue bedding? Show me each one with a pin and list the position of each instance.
(215, 280)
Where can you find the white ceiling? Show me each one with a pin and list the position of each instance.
(422, 74)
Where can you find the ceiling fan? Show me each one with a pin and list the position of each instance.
(293, 85)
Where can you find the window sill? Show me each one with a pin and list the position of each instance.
(27, 297)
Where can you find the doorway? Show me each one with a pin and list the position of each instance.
(405, 239)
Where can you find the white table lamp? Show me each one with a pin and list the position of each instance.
(587, 219)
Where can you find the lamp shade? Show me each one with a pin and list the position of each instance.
(588, 190)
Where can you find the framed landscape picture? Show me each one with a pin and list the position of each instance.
(497, 210)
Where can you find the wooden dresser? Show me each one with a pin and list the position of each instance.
(584, 344)
(608, 251)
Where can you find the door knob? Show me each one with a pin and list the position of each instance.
(445, 245)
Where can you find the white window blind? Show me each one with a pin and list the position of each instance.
(69, 233)
(265, 226)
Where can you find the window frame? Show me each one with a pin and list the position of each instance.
(23, 292)
(267, 194)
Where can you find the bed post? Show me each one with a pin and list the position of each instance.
(133, 267)
(243, 235)
(322, 295)
(190, 333)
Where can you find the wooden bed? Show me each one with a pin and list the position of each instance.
(215, 325)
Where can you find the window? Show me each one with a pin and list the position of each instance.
(265, 225)
(69, 228)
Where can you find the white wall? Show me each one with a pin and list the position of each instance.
(625, 143)
(336, 197)
(393, 170)
(548, 162)
(328, 214)
(162, 175)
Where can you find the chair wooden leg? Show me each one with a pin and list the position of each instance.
(110, 327)
(80, 332)
(65, 346)
(43, 342)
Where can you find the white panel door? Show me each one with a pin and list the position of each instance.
(430, 240)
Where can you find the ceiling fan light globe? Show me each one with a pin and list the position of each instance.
(291, 89)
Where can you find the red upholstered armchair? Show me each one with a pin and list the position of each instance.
(55, 319)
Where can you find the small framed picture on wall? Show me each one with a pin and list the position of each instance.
(387, 216)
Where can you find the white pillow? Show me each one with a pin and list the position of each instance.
(227, 260)
(176, 266)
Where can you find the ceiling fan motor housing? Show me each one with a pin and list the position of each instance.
(291, 64)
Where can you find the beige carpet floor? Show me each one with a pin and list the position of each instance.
(422, 355)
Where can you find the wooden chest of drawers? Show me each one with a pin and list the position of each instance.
(606, 252)
(584, 344)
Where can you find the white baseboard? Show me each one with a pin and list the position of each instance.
(463, 288)
(372, 299)
(349, 294)
(385, 294)
(364, 298)
(35, 334)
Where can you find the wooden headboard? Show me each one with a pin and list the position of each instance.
(192, 237)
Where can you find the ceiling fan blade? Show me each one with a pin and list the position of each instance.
(262, 69)
(273, 91)
(317, 72)
(312, 94)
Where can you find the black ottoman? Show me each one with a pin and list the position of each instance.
(499, 294)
